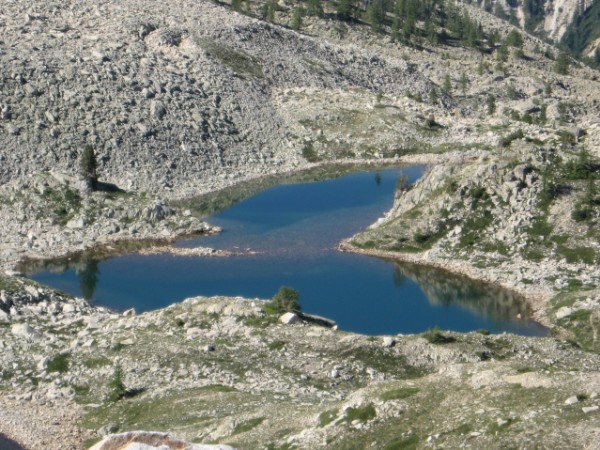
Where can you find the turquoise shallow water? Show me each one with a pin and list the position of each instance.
(294, 230)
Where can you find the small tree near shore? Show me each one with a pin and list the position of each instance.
(287, 299)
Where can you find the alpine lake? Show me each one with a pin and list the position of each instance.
(289, 230)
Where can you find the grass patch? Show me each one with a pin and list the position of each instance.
(217, 388)
(94, 363)
(276, 345)
(409, 443)
(59, 363)
(309, 152)
(435, 336)
(361, 414)
(465, 428)
(326, 417)
(584, 255)
(247, 425)
(238, 61)
(61, 204)
(384, 361)
(172, 411)
(260, 321)
(399, 394)
(88, 443)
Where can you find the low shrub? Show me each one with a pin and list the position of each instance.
(59, 363)
(435, 336)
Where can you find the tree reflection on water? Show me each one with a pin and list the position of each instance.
(445, 289)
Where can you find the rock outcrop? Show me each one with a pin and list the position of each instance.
(145, 440)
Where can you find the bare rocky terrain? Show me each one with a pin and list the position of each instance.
(185, 98)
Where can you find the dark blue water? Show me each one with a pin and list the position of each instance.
(294, 230)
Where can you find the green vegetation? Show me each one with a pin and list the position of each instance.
(285, 300)
(561, 65)
(276, 345)
(237, 60)
(309, 152)
(61, 205)
(326, 417)
(116, 387)
(88, 167)
(506, 141)
(247, 425)
(409, 443)
(583, 30)
(403, 20)
(399, 394)
(297, 16)
(59, 363)
(362, 414)
(491, 104)
(435, 336)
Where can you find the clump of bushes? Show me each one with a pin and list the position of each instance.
(399, 394)
(59, 363)
(362, 414)
(421, 237)
(435, 336)
(309, 152)
(506, 141)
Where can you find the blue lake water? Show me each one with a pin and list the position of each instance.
(294, 230)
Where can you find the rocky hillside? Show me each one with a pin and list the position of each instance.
(573, 23)
(221, 370)
(526, 219)
(171, 95)
(180, 100)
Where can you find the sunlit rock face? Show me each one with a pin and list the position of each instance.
(147, 440)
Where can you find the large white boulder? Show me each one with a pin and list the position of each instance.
(150, 440)
(289, 318)
(25, 331)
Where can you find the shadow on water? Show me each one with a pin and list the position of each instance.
(86, 270)
(446, 289)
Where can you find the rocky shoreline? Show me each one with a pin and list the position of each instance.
(149, 231)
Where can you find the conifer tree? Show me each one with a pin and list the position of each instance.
(561, 66)
(88, 166)
(296, 22)
(491, 104)
(447, 86)
(464, 83)
(345, 9)
(315, 8)
(433, 96)
(376, 14)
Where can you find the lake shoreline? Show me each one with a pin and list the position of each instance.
(339, 193)
(536, 300)
(110, 246)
